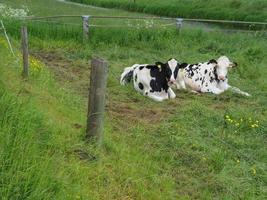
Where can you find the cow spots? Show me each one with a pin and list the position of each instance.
(160, 77)
(215, 74)
(190, 71)
(212, 61)
(141, 86)
(211, 79)
(175, 73)
(203, 80)
(191, 66)
(157, 87)
(141, 67)
(135, 78)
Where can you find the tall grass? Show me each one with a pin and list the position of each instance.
(26, 160)
(180, 149)
(245, 10)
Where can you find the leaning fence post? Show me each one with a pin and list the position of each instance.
(96, 100)
(25, 51)
(85, 19)
(179, 23)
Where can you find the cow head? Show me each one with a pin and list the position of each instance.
(169, 70)
(222, 65)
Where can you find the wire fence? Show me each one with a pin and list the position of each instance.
(148, 18)
(116, 76)
(257, 28)
(104, 26)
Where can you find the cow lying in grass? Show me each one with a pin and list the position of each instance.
(207, 77)
(153, 81)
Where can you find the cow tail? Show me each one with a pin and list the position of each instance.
(127, 75)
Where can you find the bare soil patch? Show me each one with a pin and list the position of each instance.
(66, 71)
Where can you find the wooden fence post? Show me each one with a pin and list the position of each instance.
(85, 19)
(25, 51)
(96, 100)
(179, 23)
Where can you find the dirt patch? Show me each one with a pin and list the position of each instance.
(66, 71)
(145, 114)
(127, 113)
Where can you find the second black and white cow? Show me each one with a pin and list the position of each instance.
(153, 81)
(209, 76)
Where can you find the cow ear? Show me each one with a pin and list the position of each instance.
(159, 65)
(213, 61)
(233, 64)
(183, 65)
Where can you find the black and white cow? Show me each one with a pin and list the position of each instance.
(153, 81)
(209, 76)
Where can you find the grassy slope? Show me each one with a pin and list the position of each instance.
(245, 10)
(181, 148)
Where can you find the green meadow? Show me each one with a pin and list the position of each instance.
(192, 147)
(245, 10)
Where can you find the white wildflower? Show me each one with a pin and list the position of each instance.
(9, 12)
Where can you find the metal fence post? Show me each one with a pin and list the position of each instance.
(85, 19)
(96, 100)
(179, 23)
(25, 51)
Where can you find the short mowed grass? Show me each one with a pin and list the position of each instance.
(192, 147)
(245, 10)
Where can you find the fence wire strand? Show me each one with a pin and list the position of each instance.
(148, 18)
(57, 22)
(7, 38)
(50, 20)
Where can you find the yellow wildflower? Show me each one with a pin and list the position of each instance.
(254, 171)
(35, 64)
(238, 161)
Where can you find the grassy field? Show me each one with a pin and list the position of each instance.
(192, 147)
(245, 10)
